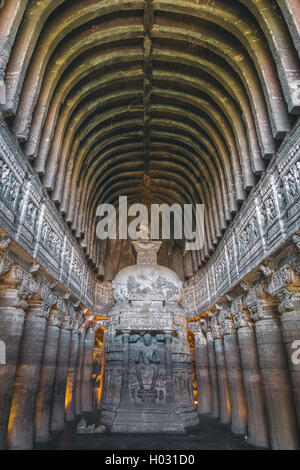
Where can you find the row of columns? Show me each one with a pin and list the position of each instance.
(248, 370)
(47, 375)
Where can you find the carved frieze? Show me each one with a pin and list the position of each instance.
(30, 218)
(268, 218)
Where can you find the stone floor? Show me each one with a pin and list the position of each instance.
(209, 435)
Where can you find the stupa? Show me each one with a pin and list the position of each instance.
(148, 372)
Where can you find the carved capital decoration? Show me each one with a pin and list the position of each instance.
(285, 285)
(66, 322)
(4, 244)
(55, 317)
(5, 264)
(200, 337)
(285, 277)
(199, 334)
(267, 270)
(27, 285)
(240, 313)
(289, 300)
(261, 305)
(216, 327)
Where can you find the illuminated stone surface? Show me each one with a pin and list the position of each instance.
(169, 101)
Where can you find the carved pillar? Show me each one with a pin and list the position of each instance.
(224, 396)
(234, 373)
(274, 369)
(87, 385)
(202, 370)
(125, 375)
(257, 422)
(213, 377)
(22, 414)
(170, 395)
(12, 314)
(99, 406)
(60, 381)
(70, 411)
(78, 387)
(285, 285)
(46, 385)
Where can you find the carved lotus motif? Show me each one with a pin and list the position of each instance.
(147, 280)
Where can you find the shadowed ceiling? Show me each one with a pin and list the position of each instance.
(164, 101)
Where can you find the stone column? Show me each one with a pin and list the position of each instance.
(285, 285)
(224, 396)
(60, 381)
(87, 386)
(12, 314)
(234, 372)
(274, 369)
(99, 406)
(78, 386)
(202, 370)
(257, 422)
(125, 366)
(22, 414)
(213, 377)
(170, 393)
(46, 384)
(70, 411)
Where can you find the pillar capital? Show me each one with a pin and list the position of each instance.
(240, 313)
(42, 300)
(199, 334)
(66, 321)
(216, 328)
(289, 300)
(206, 328)
(75, 325)
(5, 264)
(226, 319)
(17, 286)
(55, 317)
(285, 286)
(284, 277)
(243, 318)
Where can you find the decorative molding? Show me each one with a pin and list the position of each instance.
(31, 219)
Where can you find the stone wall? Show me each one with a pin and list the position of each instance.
(268, 218)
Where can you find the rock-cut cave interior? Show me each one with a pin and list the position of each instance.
(167, 103)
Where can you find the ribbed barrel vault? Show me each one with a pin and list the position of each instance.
(173, 101)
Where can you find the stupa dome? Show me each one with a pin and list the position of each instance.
(147, 279)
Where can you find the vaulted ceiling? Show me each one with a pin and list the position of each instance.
(167, 101)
